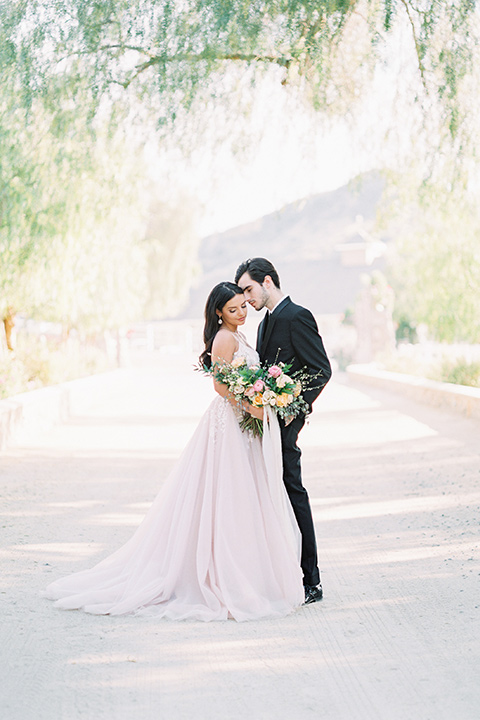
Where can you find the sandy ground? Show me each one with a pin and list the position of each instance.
(395, 489)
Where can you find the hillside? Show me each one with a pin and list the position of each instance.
(301, 240)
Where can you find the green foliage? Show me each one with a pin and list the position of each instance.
(175, 51)
(349, 317)
(30, 211)
(439, 362)
(13, 377)
(71, 213)
(460, 372)
(73, 72)
(405, 330)
(37, 363)
(169, 246)
(435, 271)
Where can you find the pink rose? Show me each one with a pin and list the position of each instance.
(258, 385)
(250, 392)
(274, 371)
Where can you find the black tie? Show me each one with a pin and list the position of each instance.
(266, 320)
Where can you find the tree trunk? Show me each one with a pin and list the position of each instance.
(9, 324)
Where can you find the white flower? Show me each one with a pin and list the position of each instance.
(269, 398)
(238, 389)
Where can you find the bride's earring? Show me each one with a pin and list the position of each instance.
(220, 320)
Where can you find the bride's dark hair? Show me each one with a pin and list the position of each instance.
(221, 294)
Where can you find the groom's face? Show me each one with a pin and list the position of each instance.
(255, 293)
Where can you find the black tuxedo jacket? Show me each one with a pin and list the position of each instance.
(290, 335)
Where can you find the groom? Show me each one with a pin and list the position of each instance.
(288, 333)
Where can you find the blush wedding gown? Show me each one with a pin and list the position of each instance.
(219, 541)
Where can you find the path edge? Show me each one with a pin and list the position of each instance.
(45, 407)
(459, 398)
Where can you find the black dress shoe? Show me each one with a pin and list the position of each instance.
(313, 593)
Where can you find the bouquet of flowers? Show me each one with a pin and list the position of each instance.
(261, 386)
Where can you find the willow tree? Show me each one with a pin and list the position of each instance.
(71, 213)
(31, 212)
(436, 267)
(171, 59)
(173, 50)
(112, 59)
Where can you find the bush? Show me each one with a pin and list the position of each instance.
(13, 377)
(406, 331)
(37, 362)
(460, 372)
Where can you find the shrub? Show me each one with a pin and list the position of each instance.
(37, 362)
(460, 372)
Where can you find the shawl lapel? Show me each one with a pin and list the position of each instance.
(265, 335)
(261, 331)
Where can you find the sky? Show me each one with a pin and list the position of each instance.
(285, 154)
(281, 150)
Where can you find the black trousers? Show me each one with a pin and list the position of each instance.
(292, 477)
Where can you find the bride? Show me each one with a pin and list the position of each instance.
(220, 540)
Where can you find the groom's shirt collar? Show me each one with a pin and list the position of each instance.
(278, 303)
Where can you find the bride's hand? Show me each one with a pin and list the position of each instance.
(255, 411)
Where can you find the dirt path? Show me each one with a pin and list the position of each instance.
(395, 489)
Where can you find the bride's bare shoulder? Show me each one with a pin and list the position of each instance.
(225, 345)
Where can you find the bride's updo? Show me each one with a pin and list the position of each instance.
(221, 294)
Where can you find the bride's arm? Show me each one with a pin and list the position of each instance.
(223, 350)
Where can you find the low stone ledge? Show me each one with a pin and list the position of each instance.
(460, 398)
(38, 410)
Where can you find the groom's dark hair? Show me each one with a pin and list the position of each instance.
(258, 268)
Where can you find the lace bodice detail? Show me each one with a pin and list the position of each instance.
(246, 351)
(221, 407)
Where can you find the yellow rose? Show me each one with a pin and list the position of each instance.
(284, 399)
(258, 399)
(238, 362)
(298, 389)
